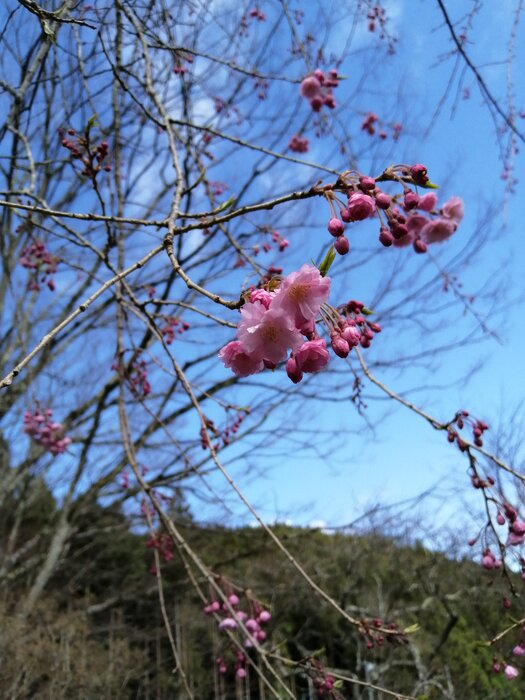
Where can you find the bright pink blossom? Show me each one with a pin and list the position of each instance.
(453, 209)
(268, 333)
(301, 294)
(310, 87)
(312, 355)
(261, 295)
(239, 361)
(428, 201)
(511, 672)
(438, 230)
(415, 223)
(519, 649)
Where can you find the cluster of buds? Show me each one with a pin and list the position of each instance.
(460, 420)
(262, 86)
(377, 17)
(376, 631)
(256, 14)
(136, 378)
(317, 89)
(372, 125)
(298, 144)
(41, 264)
(281, 242)
(92, 156)
(516, 535)
(324, 684)
(180, 68)
(231, 616)
(173, 325)
(489, 560)
(42, 429)
(510, 672)
(239, 665)
(223, 437)
(398, 227)
(163, 543)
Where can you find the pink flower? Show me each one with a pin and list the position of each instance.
(510, 672)
(268, 333)
(514, 539)
(453, 209)
(518, 527)
(261, 295)
(360, 206)
(438, 230)
(312, 356)
(427, 202)
(301, 294)
(415, 224)
(227, 624)
(239, 361)
(310, 87)
(519, 650)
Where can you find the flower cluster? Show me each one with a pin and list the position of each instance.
(171, 325)
(42, 429)
(137, 378)
(253, 619)
(322, 681)
(298, 144)
(272, 323)
(81, 148)
(317, 89)
(401, 225)
(281, 242)
(221, 436)
(42, 265)
(460, 420)
(372, 125)
(163, 543)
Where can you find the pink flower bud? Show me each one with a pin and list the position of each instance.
(264, 616)
(385, 237)
(252, 625)
(367, 183)
(345, 215)
(233, 600)
(228, 623)
(310, 87)
(419, 174)
(383, 200)
(411, 200)
(487, 561)
(293, 371)
(519, 650)
(360, 206)
(342, 245)
(420, 246)
(500, 519)
(339, 345)
(240, 673)
(336, 227)
(351, 335)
